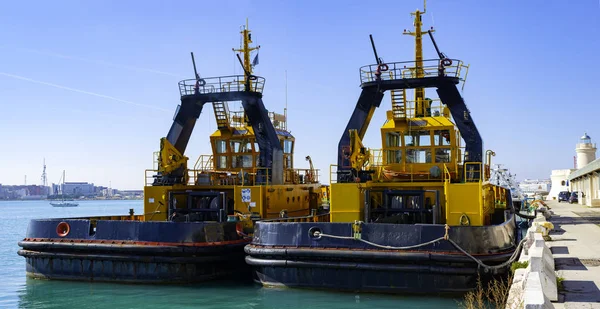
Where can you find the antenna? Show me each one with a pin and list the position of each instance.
(286, 100)
(44, 176)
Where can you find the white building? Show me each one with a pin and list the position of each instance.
(586, 179)
(560, 182)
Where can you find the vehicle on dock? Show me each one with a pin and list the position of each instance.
(419, 214)
(196, 221)
(564, 196)
(573, 198)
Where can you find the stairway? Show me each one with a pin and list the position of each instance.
(221, 114)
(399, 103)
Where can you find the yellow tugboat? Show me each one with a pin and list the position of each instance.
(196, 220)
(417, 215)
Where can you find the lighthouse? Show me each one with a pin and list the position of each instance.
(586, 151)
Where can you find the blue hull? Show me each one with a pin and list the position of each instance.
(133, 251)
(288, 254)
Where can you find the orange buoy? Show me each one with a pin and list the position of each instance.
(63, 229)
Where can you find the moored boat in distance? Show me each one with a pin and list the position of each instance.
(197, 220)
(418, 215)
(63, 202)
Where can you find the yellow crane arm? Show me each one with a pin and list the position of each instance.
(359, 154)
(171, 161)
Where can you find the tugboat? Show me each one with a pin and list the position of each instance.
(197, 221)
(418, 215)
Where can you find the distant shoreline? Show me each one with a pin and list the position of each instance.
(84, 199)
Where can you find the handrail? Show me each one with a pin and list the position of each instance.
(472, 171)
(447, 174)
(220, 84)
(333, 179)
(407, 69)
(313, 217)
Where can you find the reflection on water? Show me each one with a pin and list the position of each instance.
(17, 291)
(60, 294)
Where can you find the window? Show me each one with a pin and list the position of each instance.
(442, 155)
(394, 156)
(393, 139)
(221, 161)
(562, 183)
(287, 146)
(287, 161)
(221, 146)
(417, 138)
(244, 161)
(256, 149)
(418, 156)
(236, 146)
(441, 137)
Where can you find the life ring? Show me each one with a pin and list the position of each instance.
(252, 77)
(383, 67)
(446, 62)
(464, 220)
(63, 229)
(201, 82)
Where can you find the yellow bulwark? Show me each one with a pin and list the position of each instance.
(232, 171)
(419, 174)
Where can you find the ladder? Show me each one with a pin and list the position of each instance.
(221, 114)
(399, 103)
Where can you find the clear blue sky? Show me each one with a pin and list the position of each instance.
(532, 86)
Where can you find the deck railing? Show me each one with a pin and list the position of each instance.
(408, 69)
(221, 84)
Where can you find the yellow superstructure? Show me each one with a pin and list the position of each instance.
(421, 173)
(233, 182)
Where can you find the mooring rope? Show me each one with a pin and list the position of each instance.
(319, 234)
(512, 258)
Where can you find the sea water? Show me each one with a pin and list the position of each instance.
(17, 291)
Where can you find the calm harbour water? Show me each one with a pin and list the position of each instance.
(17, 291)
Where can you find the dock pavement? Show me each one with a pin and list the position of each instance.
(575, 246)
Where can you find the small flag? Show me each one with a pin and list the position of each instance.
(255, 60)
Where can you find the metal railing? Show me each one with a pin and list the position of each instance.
(447, 175)
(436, 108)
(407, 69)
(204, 163)
(473, 171)
(313, 217)
(221, 84)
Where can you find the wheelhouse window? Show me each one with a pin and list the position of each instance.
(238, 146)
(417, 138)
(287, 161)
(393, 139)
(221, 146)
(221, 161)
(418, 156)
(441, 137)
(394, 156)
(442, 155)
(244, 161)
(288, 146)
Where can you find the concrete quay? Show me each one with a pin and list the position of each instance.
(575, 247)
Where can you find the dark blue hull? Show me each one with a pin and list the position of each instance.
(288, 254)
(133, 251)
